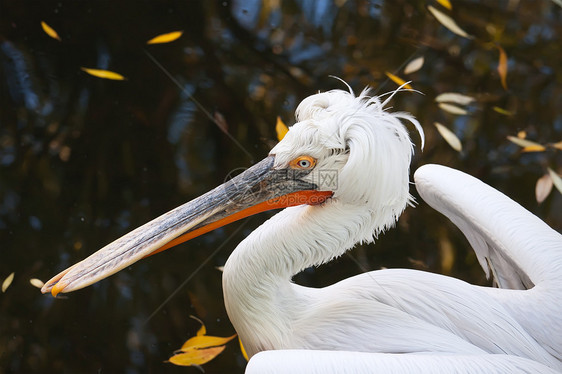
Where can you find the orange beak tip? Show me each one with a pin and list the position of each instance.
(57, 288)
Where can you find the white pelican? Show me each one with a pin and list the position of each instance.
(343, 172)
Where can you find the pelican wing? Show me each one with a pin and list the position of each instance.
(513, 245)
(325, 362)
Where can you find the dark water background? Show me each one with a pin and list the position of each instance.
(84, 160)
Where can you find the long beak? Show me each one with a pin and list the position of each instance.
(258, 189)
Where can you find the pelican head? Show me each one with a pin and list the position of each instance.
(361, 152)
(343, 147)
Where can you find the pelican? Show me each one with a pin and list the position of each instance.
(342, 175)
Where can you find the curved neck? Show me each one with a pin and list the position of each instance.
(259, 296)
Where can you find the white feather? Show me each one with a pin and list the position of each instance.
(394, 311)
(343, 362)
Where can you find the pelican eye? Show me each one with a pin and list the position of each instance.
(303, 162)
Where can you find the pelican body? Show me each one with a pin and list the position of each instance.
(342, 175)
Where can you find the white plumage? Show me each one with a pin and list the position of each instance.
(394, 320)
(394, 311)
(345, 362)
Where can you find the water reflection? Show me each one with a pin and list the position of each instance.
(84, 160)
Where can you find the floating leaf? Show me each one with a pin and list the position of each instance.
(453, 109)
(523, 142)
(447, 252)
(50, 31)
(399, 81)
(267, 7)
(165, 38)
(194, 356)
(445, 4)
(414, 65)
(202, 330)
(243, 350)
(502, 67)
(502, 111)
(420, 264)
(453, 97)
(543, 188)
(448, 22)
(220, 121)
(204, 341)
(555, 179)
(281, 129)
(557, 145)
(36, 282)
(200, 349)
(105, 74)
(7, 282)
(449, 137)
(534, 148)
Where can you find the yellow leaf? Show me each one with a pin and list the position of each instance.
(202, 330)
(165, 38)
(399, 81)
(555, 179)
(448, 22)
(557, 145)
(105, 74)
(449, 137)
(502, 67)
(50, 31)
(502, 111)
(267, 7)
(534, 148)
(543, 188)
(453, 97)
(523, 142)
(199, 349)
(204, 341)
(281, 129)
(445, 4)
(453, 109)
(447, 252)
(196, 356)
(414, 65)
(36, 282)
(243, 350)
(7, 282)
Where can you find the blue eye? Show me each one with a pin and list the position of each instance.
(305, 164)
